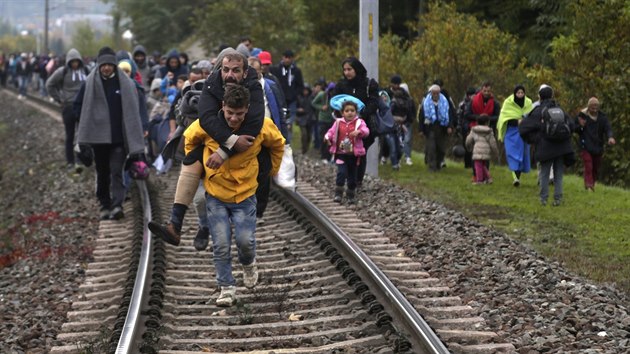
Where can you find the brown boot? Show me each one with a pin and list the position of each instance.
(166, 232)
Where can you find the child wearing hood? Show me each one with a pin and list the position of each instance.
(483, 145)
(346, 144)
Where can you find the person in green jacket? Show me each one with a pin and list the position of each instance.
(324, 117)
(516, 150)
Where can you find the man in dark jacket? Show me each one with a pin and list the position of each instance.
(549, 152)
(292, 84)
(232, 69)
(594, 131)
(482, 103)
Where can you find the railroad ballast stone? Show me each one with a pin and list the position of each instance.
(528, 300)
(46, 218)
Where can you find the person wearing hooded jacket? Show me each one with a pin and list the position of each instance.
(140, 58)
(550, 153)
(63, 86)
(173, 66)
(356, 83)
(110, 123)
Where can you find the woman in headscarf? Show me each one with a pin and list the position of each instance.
(517, 151)
(356, 83)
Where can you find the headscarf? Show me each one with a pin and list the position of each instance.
(519, 101)
(359, 69)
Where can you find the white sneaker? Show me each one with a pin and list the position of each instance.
(250, 275)
(324, 161)
(227, 297)
(383, 160)
(408, 161)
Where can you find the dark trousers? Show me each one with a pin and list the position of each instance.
(109, 161)
(70, 124)
(324, 148)
(435, 148)
(347, 171)
(306, 132)
(264, 181)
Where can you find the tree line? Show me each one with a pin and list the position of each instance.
(578, 47)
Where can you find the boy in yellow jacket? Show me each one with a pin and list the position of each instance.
(231, 192)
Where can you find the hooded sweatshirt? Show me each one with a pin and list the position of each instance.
(177, 70)
(64, 83)
(143, 68)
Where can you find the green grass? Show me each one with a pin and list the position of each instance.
(589, 233)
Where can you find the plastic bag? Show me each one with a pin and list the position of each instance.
(162, 166)
(286, 175)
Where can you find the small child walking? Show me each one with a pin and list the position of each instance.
(346, 144)
(483, 145)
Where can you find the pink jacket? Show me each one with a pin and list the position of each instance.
(359, 125)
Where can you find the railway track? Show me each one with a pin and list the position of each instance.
(317, 291)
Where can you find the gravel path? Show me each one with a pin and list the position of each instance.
(47, 218)
(533, 303)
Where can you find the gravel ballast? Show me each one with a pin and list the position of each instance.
(50, 217)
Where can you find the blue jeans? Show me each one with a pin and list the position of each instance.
(391, 139)
(24, 82)
(220, 217)
(545, 171)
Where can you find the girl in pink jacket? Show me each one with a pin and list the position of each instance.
(344, 138)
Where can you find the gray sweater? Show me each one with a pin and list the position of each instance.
(64, 83)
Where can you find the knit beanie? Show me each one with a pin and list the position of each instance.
(106, 55)
(125, 66)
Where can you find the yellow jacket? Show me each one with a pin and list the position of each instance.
(235, 180)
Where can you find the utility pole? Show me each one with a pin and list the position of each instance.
(46, 29)
(368, 55)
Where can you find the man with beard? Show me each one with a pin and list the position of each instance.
(483, 104)
(140, 58)
(232, 70)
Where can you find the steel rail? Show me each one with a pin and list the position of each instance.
(132, 321)
(421, 336)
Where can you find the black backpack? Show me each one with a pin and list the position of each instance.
(556, 124)
(399, 107)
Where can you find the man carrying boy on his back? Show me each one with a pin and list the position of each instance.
(231, 191)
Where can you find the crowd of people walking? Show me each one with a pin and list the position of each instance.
(230, 119)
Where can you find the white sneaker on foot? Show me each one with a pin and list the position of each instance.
(408, 161)
(383, 160)
(250, 275)
(227, 297)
